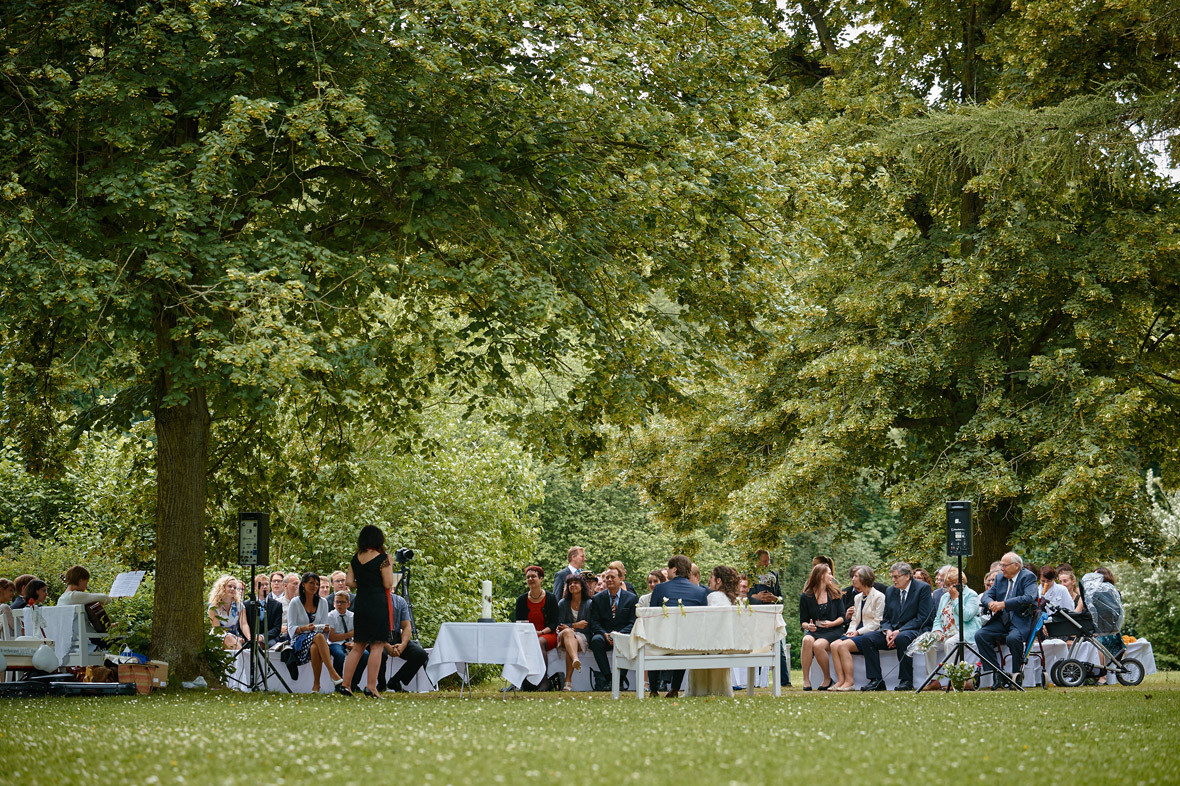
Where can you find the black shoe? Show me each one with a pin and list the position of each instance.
(397, 687)
(806, 687)
(343, 691)
(905, 686)
(873, 685)
(370, 694)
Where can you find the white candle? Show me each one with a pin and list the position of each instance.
(486, 592)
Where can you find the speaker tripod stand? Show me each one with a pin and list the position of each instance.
(961, 648)
(260, 665)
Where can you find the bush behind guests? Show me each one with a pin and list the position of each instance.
(1149, 592)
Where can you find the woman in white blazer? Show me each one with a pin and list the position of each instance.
(868, 609)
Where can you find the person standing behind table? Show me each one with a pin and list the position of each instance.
(340, 629)
(766, 589)
(371, 574)
(865, 613)
(946, 619)
(676, 591)
(611, 611)
(907, 606)
(576, 556)
(821, 615)
(19, 584)
(573, 623)
(1011, 601)
(406, 648)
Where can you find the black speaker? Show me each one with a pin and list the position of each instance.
(958, 528)
(253, 539)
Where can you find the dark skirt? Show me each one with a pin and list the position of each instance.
(827, 634)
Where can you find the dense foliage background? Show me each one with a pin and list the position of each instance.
(504, 277)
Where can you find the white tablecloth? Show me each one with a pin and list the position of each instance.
(511, 644)
(55, 622)
(704, 629)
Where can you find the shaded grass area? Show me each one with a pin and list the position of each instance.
(1099, 735)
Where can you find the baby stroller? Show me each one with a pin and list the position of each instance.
(1101, 616)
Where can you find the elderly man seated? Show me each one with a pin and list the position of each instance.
(1012, 601)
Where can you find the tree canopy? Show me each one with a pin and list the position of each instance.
(991, 309)
(214, 207)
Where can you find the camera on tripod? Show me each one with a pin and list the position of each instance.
(403, 555)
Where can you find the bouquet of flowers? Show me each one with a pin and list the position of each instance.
(925, 642)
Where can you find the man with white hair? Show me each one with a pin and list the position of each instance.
(1012, 601)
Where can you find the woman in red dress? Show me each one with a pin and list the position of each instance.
(539, 607)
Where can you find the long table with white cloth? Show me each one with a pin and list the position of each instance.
(514, 645)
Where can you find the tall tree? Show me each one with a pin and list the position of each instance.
(990, 308)
(210, 207)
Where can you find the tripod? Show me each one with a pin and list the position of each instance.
(962, 647)
(260, 663)
(403, 586)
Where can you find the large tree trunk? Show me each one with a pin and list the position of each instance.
(182, 438)
(993, 530)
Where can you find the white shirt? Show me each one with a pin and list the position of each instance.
(340, 623)
(79, 598)
(1059, 596)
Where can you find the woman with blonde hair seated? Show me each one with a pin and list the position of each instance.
(946, 620)
(868, 607)
(226, 613)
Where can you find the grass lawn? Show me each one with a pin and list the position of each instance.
(1085, 735)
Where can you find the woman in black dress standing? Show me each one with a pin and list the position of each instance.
(371, 575)
(821, 613)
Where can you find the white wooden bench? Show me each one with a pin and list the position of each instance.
(701, 637)
(68, 628)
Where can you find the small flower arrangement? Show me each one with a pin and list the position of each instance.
(959, 673)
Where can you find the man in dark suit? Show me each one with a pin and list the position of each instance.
(1011, 601)
(678, 591)
(577, 558)
(611, 611)
(907, 605)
